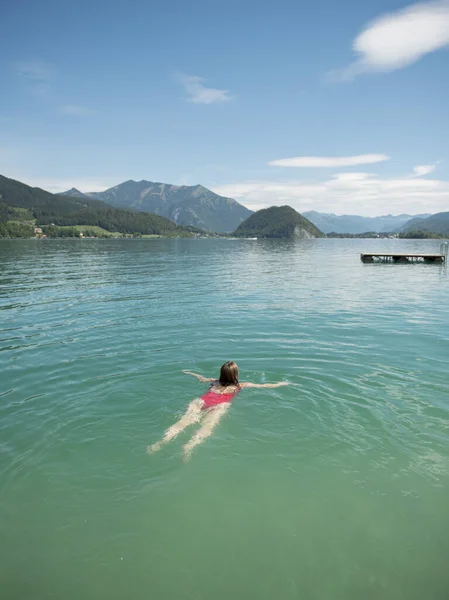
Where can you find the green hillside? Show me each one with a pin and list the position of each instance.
(437, 223)
(17, 194)
(277, 222)
(28, 206)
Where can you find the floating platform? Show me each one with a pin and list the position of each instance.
(401, 258)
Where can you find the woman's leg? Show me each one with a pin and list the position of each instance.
(192, 415)
(209, 423)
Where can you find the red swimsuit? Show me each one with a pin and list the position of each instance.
(212, 398)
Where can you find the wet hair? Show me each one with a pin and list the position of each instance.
(229, 373)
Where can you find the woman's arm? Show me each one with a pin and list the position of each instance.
(199, 377)
(263, 385)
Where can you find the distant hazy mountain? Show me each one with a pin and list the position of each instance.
(437, 223)
(185, 205)
(277, 222)
(73, 192)
(328, 222)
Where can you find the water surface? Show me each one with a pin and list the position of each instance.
(335, 487)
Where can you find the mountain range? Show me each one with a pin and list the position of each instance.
(185, 205)
(437, 223)
(29, 205)
(331, 223)
(199, 207)
(24, 208)
(20, 203)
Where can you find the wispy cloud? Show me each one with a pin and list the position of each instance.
(198, 93)
(329, 161)
(421, 170)
(37, 77)
(35, 70)
(398, 39)
(76, 110)
(345, 193)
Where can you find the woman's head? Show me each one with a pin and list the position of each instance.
(229, 373)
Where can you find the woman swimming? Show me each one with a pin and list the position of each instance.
(210, 407)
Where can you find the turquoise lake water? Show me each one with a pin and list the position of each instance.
(334, 488)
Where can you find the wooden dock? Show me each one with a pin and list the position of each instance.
(401, 258)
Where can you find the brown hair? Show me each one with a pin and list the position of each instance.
(229, 374)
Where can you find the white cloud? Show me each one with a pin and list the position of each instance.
(35, 70)
(198, 93)
(329, 161)
(75, 110)
(421, 170)
(345, 193)
(399, 39)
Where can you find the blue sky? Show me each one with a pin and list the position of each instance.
(332, 106)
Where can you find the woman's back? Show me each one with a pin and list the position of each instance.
(219, 388)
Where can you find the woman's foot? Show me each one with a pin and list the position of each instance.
(187, 452)
(154, 448)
